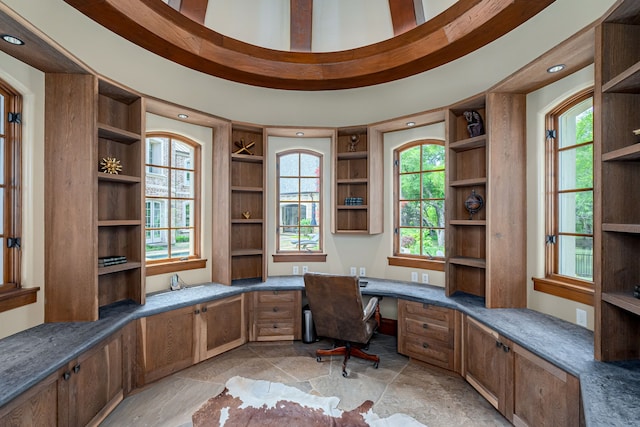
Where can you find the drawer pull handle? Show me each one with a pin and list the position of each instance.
(275, 309)
(76, 369)
(425, 326)
(499, 344)
(204, 309)
(506, 348)
(197, 311)
(425, 345)
(275, 326)
(66, 375)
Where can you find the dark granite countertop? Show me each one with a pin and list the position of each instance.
(609, 391)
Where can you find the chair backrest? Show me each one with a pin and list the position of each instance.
(336, 307)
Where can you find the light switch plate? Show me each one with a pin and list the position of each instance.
(425, 277)
(581, 317)
(295, 270)
(304, 269)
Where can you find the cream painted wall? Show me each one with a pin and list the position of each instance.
(539, 103)
(203, 136)
(30, 83)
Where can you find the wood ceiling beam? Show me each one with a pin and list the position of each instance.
(194, 9)
(403, 15)
(464, 27)
(301, 23)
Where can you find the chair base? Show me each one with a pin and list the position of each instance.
(348, 350)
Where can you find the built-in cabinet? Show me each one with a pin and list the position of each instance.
(617, 172)
(240, 193)
(429, 333)
(526, 389)
(91, 213)
(357, 169)
(275, 316)
(486, 250)
(174, 340)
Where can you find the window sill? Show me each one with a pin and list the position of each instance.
(423, 263)
(172, 267)
(300, 257)
(17, 298)
(570, 291)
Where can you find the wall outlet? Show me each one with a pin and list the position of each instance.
(295, 270)
(352, 271)
(304, 269)
(581, 317)
(414, 276)
(425, 278)
(363, 272)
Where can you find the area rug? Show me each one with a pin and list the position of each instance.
(247, 402)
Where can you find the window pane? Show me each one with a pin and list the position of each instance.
(575, 212)
(156, 213)
(181, 212)
(288, 238)
(575, 257)
(181, 243)
(310, 165)
(433, 185)
(2, 148)
(309, 188)
(289, 188)
(575, 168)
(309, 238)
(410, 160)
(289, 165)
(410, 241)
(2, 213)
(576, 125)
(312, 214)
(157, 151)
(433, 242)
(2, 115)
(157, 182)
(433, 213)
(410, 187)
(182, 184)
(432, 157)
(182, 155)
(409, 214)
(4, 244)
(157, 245)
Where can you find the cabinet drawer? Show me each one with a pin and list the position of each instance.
(265, 297)
(423, 329)
(430, 351)
(273, 311)
(275, 330)
(435, 315)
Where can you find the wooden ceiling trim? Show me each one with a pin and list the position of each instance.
(194, 9)
(162, 30)
(301, 23)
(403, 15)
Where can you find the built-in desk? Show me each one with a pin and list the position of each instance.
(609, 391)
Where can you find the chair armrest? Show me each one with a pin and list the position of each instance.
(370, 309)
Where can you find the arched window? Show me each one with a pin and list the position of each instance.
(172, 198)
(299, 201)
(419, 194)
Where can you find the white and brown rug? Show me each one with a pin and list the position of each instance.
(246, 402)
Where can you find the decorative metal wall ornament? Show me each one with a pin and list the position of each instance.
(110, 165)
(473, 203)
(246, 214)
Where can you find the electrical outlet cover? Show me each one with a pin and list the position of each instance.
(304, 269)
(295, 269)
(425, 277)
(363, 272)
(352, 271)
(414, 276)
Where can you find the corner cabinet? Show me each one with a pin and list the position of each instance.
(91, 214)
(617, 169)
(357, 199)
(486, 252)
(239, 186)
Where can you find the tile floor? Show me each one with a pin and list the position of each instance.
(430, 396)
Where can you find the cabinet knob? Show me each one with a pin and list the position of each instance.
(204, 309)
(66, 375)
(425, 305)
(275, 309)
(76, 369)
(197, 311)
(275, 292)
(425, 326)
(275, 326)
(425, 345)
(499, 344)
(506, 348)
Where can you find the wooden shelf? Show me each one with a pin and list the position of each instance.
(468, 182)
(626, 82)
(469, 143)
(119, 267)
(350, 155)
(111, 132)
(622, 228)
(247, 189)
(119, 223)
(247, 158)
(631, 152)
(247, 221)
(352, 207)
(352, 181)
(125, 179)
(246, 252)
(467, 222)
(469, 262)
(623, 300)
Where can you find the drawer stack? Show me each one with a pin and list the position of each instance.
(276, 315)
(427, 333)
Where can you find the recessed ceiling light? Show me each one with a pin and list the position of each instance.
(411, 124)
(183, 116)
(11, 39)
(555, 68)
(299, 133)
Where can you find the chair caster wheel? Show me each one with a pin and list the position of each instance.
(345, 374)
(375, 365)
(318, 359)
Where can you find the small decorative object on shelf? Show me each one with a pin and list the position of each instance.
(636, 131)
(106, 261)
(636, 291)
(475, 126)
(473, 203)
(110, 165)
(353, 141)
(353, 201)
(244, 148)
(246, 215)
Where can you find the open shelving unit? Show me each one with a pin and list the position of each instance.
(617, 155)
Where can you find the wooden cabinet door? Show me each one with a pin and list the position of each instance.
(96, 383)
(36, 407)
(544, 395)
(222, 326)
(488, 364)
(167, 343)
